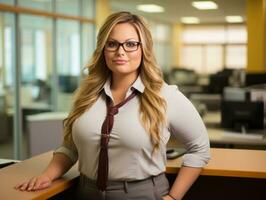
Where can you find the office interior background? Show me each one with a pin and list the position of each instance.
(45, 45)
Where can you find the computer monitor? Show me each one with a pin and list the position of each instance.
(219, 80)
(235, 94)
(68, 83)
(255, 79)
(242, 114)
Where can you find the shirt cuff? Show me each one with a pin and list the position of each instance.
(68, 152)
(194, 160)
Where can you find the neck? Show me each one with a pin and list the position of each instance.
(122, 82)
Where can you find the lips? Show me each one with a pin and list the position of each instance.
(120, 62)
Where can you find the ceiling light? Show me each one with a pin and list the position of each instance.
(190, 20)
(205, 5)
(234, 19)
(150, 8)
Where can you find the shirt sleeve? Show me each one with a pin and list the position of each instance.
(187, 126)
(69, 150)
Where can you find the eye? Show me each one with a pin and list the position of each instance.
(111, 44)
(131, 44)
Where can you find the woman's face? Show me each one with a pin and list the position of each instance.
(123, 59)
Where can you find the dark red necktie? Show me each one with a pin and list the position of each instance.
(106, 130)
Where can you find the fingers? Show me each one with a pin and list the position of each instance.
(27, 185)
(37, 185)
(32, 185)
(22, 186)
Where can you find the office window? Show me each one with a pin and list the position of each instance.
(163, 55)
(195, 63)
(203, 34)
(236, 34)
(7, 50)
(40, 5)
(27, 54)
(68, 7)
(88, 43)
(88, 8)
(7, 58)
(214, 59)
(161, 34)
(8, 55)
(36, 61)
(41, 54)
(236, 56)
(68, 61)
(219, 47)
(35, 47)
(68, 51)
(206, 58)
(11, 2)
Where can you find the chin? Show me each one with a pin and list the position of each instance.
(123, 70)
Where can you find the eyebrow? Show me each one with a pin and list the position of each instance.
(130, 39)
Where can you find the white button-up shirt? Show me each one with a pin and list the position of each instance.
(130, 147)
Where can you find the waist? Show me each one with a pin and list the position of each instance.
(121, 184)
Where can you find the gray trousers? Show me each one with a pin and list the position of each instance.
(153, 188)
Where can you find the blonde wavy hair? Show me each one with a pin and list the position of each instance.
(152, 105)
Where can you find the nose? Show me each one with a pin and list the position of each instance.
(120, 50)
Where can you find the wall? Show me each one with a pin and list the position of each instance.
(103, 10)
(256, 35)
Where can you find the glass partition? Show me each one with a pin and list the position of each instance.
(68, 7)
(41, 58)
(88, 8)
(36, 63)
(68, 62)
(45, 5)
(7, 84)
(88, 42)
(10, 2)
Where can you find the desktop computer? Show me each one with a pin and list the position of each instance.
(68, 83)
(255, 79)
(242, 115)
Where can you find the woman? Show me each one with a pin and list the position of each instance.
(121, 121)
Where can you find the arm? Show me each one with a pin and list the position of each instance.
(186, 177)
(187, 126)
(58, 166)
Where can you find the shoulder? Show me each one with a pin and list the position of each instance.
(169, 91)
(173, 96)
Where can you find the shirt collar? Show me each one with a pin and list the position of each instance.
(138, 85)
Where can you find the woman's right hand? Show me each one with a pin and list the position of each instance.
(35, 183)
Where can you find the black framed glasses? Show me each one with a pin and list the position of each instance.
(128, 46)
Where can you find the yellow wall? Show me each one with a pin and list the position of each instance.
(256, 36)
(176, 44)
(103, 10)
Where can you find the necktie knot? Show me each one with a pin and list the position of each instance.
(113, 110)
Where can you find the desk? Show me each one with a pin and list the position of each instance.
(230, 163)
(16, 173)
(224, 162)
(217, 134)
